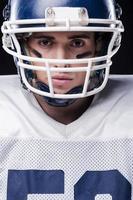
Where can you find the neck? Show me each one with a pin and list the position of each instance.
(65, 115)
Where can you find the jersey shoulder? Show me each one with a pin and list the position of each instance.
(120, 83)
(9, 83)
(114, 108)
(10, 103)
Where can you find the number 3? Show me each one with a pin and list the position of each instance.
(24, 182)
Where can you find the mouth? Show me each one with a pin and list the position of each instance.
(61, 80)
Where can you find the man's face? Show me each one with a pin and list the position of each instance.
(62, 45)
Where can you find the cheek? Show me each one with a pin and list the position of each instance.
(41, 76)
(80, 78)
(93, 48)
(36, 51)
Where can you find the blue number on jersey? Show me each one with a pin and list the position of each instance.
(24, 182)
(102, 182)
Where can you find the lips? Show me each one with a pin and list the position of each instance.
(60, 80)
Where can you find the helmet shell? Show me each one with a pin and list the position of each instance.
(35, 9)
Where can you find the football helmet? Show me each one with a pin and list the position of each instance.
(23, 18)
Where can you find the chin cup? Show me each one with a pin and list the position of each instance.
(56, 101)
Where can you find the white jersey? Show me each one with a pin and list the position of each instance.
(89, 159)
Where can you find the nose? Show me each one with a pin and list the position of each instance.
(61, 53)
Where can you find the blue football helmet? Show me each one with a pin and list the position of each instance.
(23, 18)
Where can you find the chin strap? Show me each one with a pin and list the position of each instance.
(56, 101)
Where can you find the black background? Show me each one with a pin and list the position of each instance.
(122, 61)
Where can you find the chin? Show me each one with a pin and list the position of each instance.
(61, 91)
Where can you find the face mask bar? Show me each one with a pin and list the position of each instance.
(57, 25)
(12, 46)
(89, 69)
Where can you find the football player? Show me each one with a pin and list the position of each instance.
(60, 137)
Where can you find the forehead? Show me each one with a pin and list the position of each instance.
(69, 35)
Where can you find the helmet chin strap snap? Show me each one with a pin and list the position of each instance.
(56, 101)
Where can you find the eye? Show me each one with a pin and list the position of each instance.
(77, 43)
(45, 42)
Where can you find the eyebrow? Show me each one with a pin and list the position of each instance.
(79, 36)
(44, 36)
